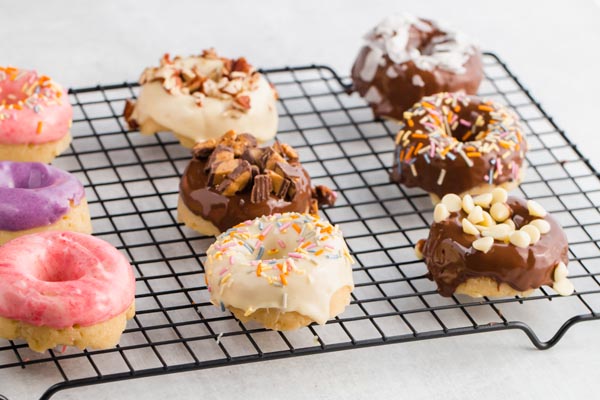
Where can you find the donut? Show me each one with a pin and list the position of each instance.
(64, 288)
(456, 143)
(494, 245)
(35, 197)
(284, 271)
(200, 97)
(405, 58)
(231, 180)
(35, 116)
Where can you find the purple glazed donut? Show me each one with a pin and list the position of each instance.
(37, 197)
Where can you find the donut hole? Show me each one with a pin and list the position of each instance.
(465, 128)
(69, 267)
(23, 176)
(279, 245)
(11, 95)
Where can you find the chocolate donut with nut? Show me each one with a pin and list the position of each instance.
(494, 245)
(231, 180)
(455, 143)
(405, 58)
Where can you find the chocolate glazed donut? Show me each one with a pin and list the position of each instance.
(452, 259)
(406, 58)
(231, 180)
(454, 143)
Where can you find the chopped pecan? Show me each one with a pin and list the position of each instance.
(129, 106)
(210, 54)
(241, 65)
(261, 190)
(242, 102)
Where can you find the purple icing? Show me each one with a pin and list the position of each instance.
(35, 194)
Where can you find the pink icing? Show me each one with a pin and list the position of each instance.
(33, 109)
(62, 279)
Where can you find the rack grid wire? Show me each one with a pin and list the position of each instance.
(132, 188)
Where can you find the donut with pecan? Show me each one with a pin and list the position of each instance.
(200, 97)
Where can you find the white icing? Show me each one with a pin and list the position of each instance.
(312, 276)
(391, 37)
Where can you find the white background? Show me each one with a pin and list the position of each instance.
(554, 48)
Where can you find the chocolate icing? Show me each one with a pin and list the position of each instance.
(460, 176)
(399, 85)
(451, 260)
(294, 193)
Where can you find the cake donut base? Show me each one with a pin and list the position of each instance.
(286, 321)
(41, 338)
(44, 152)
(482, 287)
(77, 219)
(195, 222)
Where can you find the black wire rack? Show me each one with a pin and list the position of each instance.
(132, 188)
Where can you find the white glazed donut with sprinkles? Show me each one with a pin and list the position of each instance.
(284, 271)
(456, 143)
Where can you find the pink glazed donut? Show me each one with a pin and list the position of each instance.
(35, 116)
(64, 288)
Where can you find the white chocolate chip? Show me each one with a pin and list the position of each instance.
(484, 244)
(560, 272)
(542, 225)
(535, 209)
(499, 212)
(499, 195)
(467, 203)
(510, 223)
(562, 285)
(452, 202)
(476, 215)
(440, 213)
(418, 252)
(483, 200)
(520, 239)
(487, 219)
(498, 232)
(469, 228)
(533, 232)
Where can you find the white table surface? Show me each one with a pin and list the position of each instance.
(553, 47)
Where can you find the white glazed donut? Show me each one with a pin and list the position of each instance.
(284, 270)
(201, 97)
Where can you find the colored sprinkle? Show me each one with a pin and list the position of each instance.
(231, 260)
(222, 307)
(296, 228)
(285, 300)
(441, 177)
(285, 226)
(259, 269)
(281, 243)
(319, 252)
(261, 251)
(39, 127)
(283, 279)
(295, 255)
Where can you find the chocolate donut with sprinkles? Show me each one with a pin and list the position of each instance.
(284, 271)
(456, 143)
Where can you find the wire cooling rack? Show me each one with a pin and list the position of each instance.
(132, 186)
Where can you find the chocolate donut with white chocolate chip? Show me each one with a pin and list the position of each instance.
(231, 180)
(494, 245)
(405, 58)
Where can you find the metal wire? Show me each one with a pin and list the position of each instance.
(132, 187)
